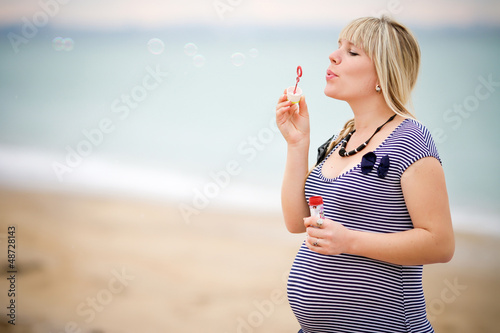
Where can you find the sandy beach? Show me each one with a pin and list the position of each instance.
(94, 264)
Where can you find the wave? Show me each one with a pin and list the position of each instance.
(30, 169)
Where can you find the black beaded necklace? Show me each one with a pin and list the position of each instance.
(342, 151)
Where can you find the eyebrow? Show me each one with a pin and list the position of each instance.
(347, 41)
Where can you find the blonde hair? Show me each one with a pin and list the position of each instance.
(395, 52)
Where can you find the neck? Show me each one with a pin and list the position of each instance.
(370, 114)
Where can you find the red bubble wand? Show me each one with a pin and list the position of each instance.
(299, 74)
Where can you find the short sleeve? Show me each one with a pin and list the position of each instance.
(413, 143)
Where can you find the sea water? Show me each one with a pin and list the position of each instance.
(186, 115)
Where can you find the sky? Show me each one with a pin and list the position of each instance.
(116, 14)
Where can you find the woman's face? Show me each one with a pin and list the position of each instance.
(351, 75)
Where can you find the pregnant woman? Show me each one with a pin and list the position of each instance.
(385, 200)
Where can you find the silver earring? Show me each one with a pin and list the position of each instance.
(377, 88)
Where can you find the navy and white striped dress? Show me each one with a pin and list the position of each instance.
(350, 293)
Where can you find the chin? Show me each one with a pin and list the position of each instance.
(331, 93)
(327, 91)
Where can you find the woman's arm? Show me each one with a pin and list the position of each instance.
(431, 240)
(293, 122)
(293, 201)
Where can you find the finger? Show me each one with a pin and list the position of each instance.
(311, 221)
(315, 232)
(316, 222)
(284, 112)
(303, 106)
(314, 244)
(319, 223)
(307, 222)
(282, 97)
(283, 104)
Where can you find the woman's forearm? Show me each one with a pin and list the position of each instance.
(293, 202)
(412, 247)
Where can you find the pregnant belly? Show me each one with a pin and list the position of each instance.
(345, 293)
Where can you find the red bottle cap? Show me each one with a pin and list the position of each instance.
(315, 201)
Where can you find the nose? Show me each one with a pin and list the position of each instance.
(335, 57)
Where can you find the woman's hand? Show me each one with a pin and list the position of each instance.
(330, 238)
(293, 120)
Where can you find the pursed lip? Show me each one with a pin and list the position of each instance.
(330, 75)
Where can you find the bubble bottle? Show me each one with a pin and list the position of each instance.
(316, 206)
(294, 93)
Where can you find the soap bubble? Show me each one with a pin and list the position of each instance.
(60, 44)
(254, 53)
(156, 46)
(238, 59)
(57, 43)
(69, 44)
(199, 60)
(190, 49)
